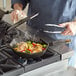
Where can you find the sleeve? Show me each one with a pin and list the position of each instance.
(23, 2)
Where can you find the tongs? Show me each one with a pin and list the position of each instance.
(17, 24)
(53, 25)
(2, 13)
(22, 21)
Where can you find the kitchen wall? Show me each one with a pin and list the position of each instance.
(0, 3)
(7, 4)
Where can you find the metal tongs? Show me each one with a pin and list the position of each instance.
(22, 21)
(53, 25)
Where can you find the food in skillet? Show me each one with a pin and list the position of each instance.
(29, 47)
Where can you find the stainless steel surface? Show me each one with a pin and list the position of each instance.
(70, 71)
(57, 42)
(56, 69)
(16, 72)
(63, 50)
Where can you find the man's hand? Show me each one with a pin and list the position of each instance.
(17, 14)
(70, 28)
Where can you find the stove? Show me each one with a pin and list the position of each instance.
(12, 64)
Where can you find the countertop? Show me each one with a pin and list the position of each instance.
(69, 72)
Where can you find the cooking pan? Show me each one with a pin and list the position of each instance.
(39, 54)
(26, 55)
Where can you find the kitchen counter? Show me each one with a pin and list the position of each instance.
(69, 72)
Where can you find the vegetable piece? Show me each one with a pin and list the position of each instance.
(29, 42)
(22, 50)
(43, 48)
(30, 45)
(28, 52)
(44, 45)
(34, 44)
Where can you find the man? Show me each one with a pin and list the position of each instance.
(61, 12)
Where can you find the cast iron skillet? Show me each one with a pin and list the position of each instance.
(39, 54)
(26, 55)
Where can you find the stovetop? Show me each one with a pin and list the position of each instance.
(13, 65)
(9, 61)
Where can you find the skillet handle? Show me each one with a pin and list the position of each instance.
(57, 42)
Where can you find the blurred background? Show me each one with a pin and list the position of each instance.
(5, 4)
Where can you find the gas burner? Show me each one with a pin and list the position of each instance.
(22, 61)
(7, 64)
(19, 59)
(48, 54)
(32, 61)
(2, 57)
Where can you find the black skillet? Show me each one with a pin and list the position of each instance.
(26, 55)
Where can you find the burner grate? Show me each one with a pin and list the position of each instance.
(7, 63)
(2, 57)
